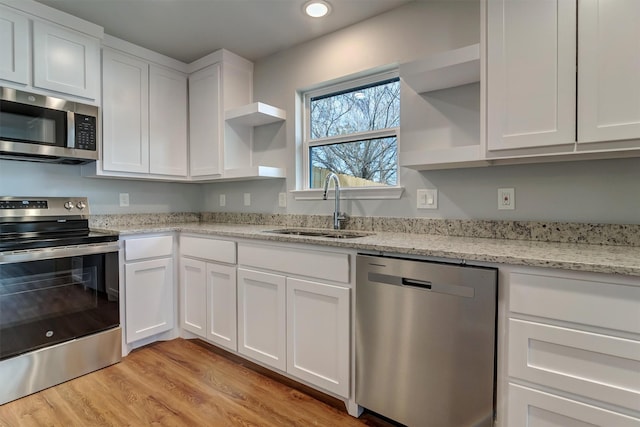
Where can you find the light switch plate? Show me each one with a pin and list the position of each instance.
(222, 199)
(124, 199)
(427, 198)
(282, 200)
(247, 199)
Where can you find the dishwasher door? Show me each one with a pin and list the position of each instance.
(425, 341)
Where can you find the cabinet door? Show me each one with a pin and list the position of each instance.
(608, 70)
(318, 334)
(14, 47)
(262, 317)
(66, 61)
(529, 407)
(167, 122)
(148, 298)
(193, 296)
(125, 113)
(222, 303)
(531, 96)
(205, 117)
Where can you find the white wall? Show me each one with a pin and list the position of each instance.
(41, 179)
(590, 191)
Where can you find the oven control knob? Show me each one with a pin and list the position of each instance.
(68, 205)
(81, 205)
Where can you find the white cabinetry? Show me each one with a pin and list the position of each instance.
(149, 288)
(531, 70)
(573, 349)
(61, 55)
(66, 61)
(208, 289)
(221, 87)
(14, 46)
(144, 115)
(441, 110)
(294, 324)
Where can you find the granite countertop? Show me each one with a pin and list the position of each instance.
(623, 260)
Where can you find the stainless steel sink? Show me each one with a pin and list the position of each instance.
(315, 232)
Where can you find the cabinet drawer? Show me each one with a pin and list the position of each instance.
(598, 366)
(578, 300)
(318, 264)
(528, 407)
(148, 247)
(209, 249)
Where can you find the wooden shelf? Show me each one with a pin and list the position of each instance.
(443, 70)
(256, 114)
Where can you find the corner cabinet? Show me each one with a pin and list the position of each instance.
(567, 363)
(222, 118)
(531, 70)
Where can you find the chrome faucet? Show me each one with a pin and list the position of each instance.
(337, 215)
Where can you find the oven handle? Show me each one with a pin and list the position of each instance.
(58, 252)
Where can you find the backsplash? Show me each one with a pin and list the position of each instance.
(563, 232)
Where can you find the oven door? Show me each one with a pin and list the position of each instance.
(48, 296)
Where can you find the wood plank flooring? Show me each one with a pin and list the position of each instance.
(177, 383)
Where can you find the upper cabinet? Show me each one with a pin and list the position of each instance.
(222, 117)
(60, 56)
(14, 46)
(144, 115)
(532, 77)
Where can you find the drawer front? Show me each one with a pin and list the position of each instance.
(302, 262)
(148, 247)
(587, 302)
(598, 366)
(532, 408)
(208, 249)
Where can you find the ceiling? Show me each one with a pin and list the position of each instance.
(189, 29)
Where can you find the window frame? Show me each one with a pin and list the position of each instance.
(369, 192)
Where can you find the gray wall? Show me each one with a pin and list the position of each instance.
(588, 191)
(41, 179)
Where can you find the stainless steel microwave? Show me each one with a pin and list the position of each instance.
(43, 128)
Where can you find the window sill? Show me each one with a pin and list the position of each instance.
(352, 193)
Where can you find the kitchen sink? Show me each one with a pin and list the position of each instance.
(314, 232)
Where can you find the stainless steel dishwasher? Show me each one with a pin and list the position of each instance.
(425, 341)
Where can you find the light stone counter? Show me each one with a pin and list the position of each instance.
(623, 260)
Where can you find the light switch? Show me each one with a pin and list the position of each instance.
(282, 200)
(247, 199)
(124, 199)
(427, 198)
(223, 200)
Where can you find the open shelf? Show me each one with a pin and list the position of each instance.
(443, 70)
(255, 114)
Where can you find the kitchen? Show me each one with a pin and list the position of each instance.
(584, 191)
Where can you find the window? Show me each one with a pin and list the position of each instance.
(352, 130)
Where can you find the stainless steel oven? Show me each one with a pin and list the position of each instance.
(59, 294)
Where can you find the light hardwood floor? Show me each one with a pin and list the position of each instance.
(177, 383)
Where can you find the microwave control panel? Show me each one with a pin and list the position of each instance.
(85, 132)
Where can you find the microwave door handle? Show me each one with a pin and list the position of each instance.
(71, 129)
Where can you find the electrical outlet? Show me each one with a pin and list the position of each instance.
(506, 198)
(124, 199)
(282, 200)
(427, 198)
(247, 199)
(222, 199)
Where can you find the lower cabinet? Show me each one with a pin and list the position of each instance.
(573, 349)
(149, 288)
(296, 325)
(208, 290)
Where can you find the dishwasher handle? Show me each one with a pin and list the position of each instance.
(422, 284)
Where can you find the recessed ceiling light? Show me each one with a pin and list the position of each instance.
(317, 8)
